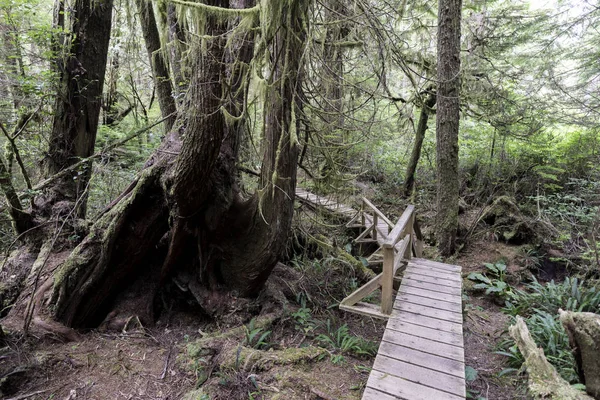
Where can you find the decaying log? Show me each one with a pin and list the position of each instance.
(544, 381)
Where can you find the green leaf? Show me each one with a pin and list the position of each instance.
(506, 370)
(470, 374)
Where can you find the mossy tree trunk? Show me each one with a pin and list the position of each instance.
(158, 62)
(185, 217)
(447, 122)
(411, 169)
(82, 67)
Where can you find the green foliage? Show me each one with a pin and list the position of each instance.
(342, 340)
(304, 321)
(548, 332)
(540, 304)
(470, 374)
(256, 337)
(492, 281)
(567, 208)
(570, 295)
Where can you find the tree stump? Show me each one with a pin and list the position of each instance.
(584, 336)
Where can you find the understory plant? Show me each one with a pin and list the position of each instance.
(493, 281)
(570, 295)
(539, 304)
(256, 337)
(340, 339)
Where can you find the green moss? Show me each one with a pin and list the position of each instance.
(219, 12)
(247, 359)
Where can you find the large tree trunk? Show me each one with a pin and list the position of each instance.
(426, 109)
(84, 33)
(185, 216)
(447, 121)
(160, 68)
(177, 44)
(78, 102)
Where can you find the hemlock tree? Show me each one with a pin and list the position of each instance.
(447, 123)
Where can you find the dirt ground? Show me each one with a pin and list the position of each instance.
(485, 326)
(150, 363)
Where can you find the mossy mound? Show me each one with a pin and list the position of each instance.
(509, 223)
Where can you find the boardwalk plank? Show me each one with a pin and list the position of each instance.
(415, 282)
(436, 280)
(416, 299)
(429, 312)
(431, 361)
(425, 270)
(438, 265)
(428, 322)
(373, 394)
(410, 290)
(423, 376)
(404, 389)
(452, 338)
(425, 345)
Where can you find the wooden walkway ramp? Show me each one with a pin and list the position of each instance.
(348, 213)
(421, 355)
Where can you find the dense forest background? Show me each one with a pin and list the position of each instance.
(150, 152)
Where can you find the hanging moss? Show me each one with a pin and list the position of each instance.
(222, 14)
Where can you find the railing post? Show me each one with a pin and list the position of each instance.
(387, 279)
(411, 237)
(375, 221)
(362, 214)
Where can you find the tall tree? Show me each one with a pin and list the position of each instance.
(160, 68)
(426, 109)
(447, 123)
(82, 66)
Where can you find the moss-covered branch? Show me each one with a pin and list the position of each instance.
(220, 12)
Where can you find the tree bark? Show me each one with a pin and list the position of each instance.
(544, 381)
(426, 109)
(78, 102)
(177, 43)
(111, 111)
(160, 68)
(447, 123)
(21, 219)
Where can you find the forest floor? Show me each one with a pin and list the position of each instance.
(153, 363)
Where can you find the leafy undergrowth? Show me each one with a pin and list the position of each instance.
(496, 297)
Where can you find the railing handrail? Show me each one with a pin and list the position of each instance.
(395, 235)
(379, 213)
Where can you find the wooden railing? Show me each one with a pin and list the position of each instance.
(398, 246)
(369, 217)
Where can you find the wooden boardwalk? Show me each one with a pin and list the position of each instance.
(346, 212)
(421, 356)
